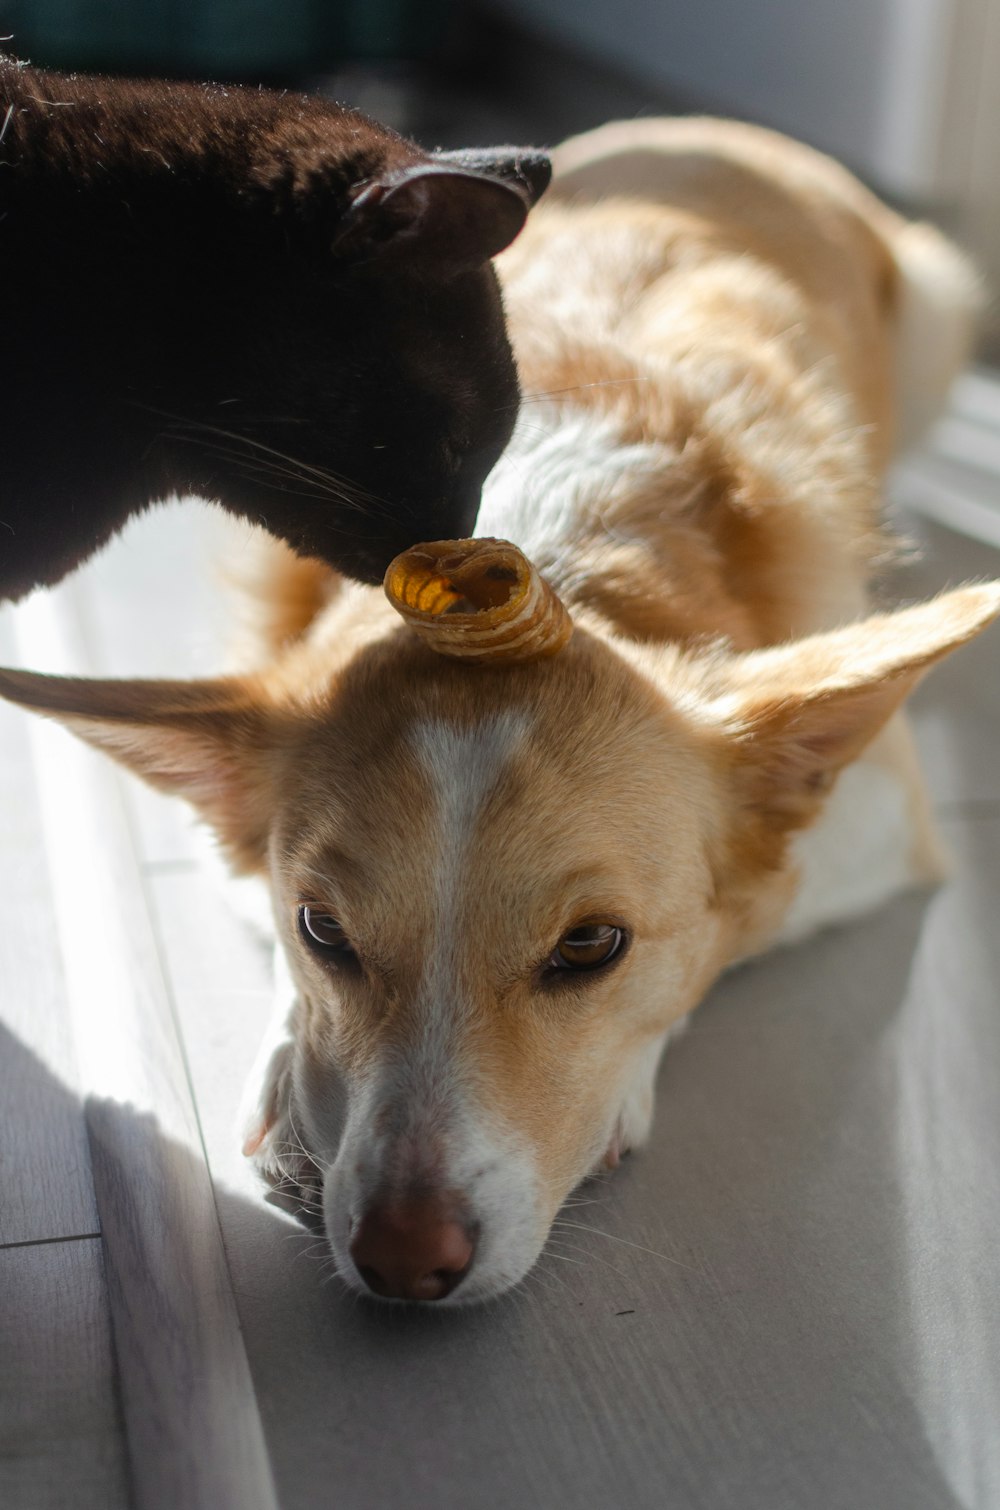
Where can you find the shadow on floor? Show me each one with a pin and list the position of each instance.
(731, 1327)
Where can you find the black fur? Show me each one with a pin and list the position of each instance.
(264, 299)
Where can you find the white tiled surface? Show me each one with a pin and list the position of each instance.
(791, 1298)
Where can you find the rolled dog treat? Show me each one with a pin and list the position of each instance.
(480, 601)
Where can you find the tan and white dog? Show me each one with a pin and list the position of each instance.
(518, 813)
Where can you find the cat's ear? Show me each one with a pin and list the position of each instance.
(524, 168)
(445, 213)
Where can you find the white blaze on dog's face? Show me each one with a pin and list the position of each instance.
(497, 888)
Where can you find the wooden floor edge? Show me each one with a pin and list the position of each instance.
(194, 1435)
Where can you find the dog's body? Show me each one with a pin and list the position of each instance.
(737, 338)
(500, 885)
(263, 299)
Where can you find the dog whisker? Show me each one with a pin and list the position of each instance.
(595, 1257)
(297, 1135)
(540, 1274)
(627, 1243)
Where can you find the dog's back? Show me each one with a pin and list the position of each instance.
(736, 316)
(874, 280)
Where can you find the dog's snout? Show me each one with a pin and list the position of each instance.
(415, 1249)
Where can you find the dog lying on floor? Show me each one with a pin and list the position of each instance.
(517, 813)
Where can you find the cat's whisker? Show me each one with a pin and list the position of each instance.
(259, 469)
(351, 494)
(554, 393)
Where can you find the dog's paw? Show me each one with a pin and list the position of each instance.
(272, 1141)
(296, 1187)
(634, 1121)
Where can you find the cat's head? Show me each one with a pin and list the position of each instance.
(390, 349)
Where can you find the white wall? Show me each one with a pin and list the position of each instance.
(864, 79)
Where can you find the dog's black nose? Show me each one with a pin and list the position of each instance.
(414, 1249)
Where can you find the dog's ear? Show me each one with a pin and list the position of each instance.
(212, 742)
(795, 715)
(453, 212)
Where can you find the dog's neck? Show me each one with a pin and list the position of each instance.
(660, 533)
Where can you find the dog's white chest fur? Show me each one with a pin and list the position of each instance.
(559, 474)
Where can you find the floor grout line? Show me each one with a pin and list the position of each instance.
(42, 1242)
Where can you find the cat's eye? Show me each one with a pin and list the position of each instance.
(322, 931)
(588, 947)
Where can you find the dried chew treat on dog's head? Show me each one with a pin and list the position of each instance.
(480, 601)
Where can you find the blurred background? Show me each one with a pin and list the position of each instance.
(905, 92)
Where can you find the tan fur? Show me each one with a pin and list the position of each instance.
(275, 596)
(736, 329)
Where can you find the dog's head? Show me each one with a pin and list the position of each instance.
(499, 881)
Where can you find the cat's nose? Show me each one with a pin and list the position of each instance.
(419, 1248)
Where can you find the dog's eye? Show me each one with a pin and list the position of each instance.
(587, 947)
(322, 931)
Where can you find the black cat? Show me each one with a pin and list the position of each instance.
(264, 299)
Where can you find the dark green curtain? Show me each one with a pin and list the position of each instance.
(220, 38)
